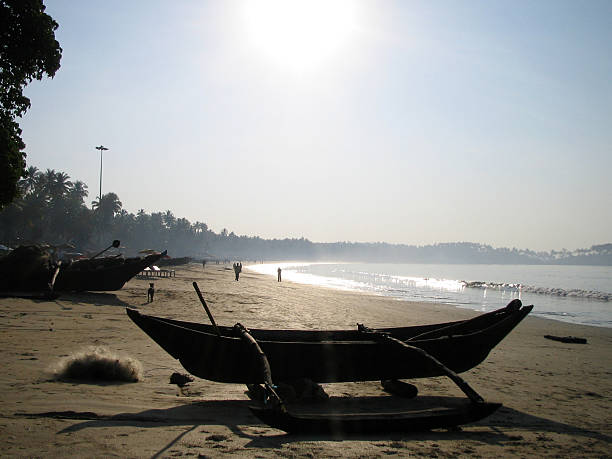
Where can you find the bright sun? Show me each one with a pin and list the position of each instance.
(300, 34)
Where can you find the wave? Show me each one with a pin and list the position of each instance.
(553, 291)
(397, 284)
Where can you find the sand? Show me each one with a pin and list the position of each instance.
(557, 397)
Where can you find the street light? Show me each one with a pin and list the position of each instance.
(101, 148)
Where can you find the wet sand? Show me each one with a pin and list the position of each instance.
(557, 397)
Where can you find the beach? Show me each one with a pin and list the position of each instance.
(556, 396)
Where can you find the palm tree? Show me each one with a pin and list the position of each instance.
(105, 209)
(78, 192)
(107, 206)
(31, 179)
(169, 219)
(46, 180)
(200, 227)
(59, 185)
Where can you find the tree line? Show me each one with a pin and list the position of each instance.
(51, 209)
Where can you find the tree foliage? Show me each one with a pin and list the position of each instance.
(28, 51)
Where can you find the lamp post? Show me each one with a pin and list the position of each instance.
(101, 148)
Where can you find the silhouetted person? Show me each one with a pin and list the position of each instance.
(203, 264)
(279, 274)
(237, 269)
(150, 293)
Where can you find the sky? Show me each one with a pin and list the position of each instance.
(411, 122)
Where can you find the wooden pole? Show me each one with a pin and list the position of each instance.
(458, 380)
(197, 289)
(266, 373)
(116, 243)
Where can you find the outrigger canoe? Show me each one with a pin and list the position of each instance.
(238, 355)
(330, 356)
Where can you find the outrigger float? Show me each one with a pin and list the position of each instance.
(239, 355)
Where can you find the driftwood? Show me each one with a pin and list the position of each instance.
(567, 339)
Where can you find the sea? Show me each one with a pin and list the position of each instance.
(574, 294)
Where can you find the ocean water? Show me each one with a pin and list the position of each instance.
(575, 294)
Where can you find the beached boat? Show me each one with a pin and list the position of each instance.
(101, 274)
(330, 356)
(238, 355)
(27, 272)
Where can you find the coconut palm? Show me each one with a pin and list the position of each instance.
(46, 180)
(200, 227)
(29, 183)
(105, 209)
(107, 206)
(78, 192)
(169, 219)
(59, 186)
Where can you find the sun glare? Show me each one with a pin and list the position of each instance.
(300, 34)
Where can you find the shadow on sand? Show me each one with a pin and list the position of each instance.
(93, 298)
(238, 418)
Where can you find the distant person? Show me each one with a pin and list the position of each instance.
(237, 269)
(150, 293)
(203, 264)
(279, 273)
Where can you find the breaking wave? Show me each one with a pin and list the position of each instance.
(574, 293)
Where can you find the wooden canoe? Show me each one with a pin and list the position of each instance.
(103, 274)
(331, 356)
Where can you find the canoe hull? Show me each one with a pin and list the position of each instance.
(341, 356)
(103, 278)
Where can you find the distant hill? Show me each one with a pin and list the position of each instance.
(243, 247)
(463, 252)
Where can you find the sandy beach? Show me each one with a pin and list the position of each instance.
(557, 397)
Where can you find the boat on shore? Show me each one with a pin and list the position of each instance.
(33, 272)
(327, 356)
(28, 272)
(238, 355)
(101, 274)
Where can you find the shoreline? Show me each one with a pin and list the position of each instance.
(586, 310)
(556, 396)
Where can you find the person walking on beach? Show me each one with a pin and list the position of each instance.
(279, 273)
(203, 264)
(150, 293)
(237, 269)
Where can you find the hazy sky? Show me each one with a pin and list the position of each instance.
(405, 122)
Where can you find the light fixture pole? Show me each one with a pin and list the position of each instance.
(101, 148)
